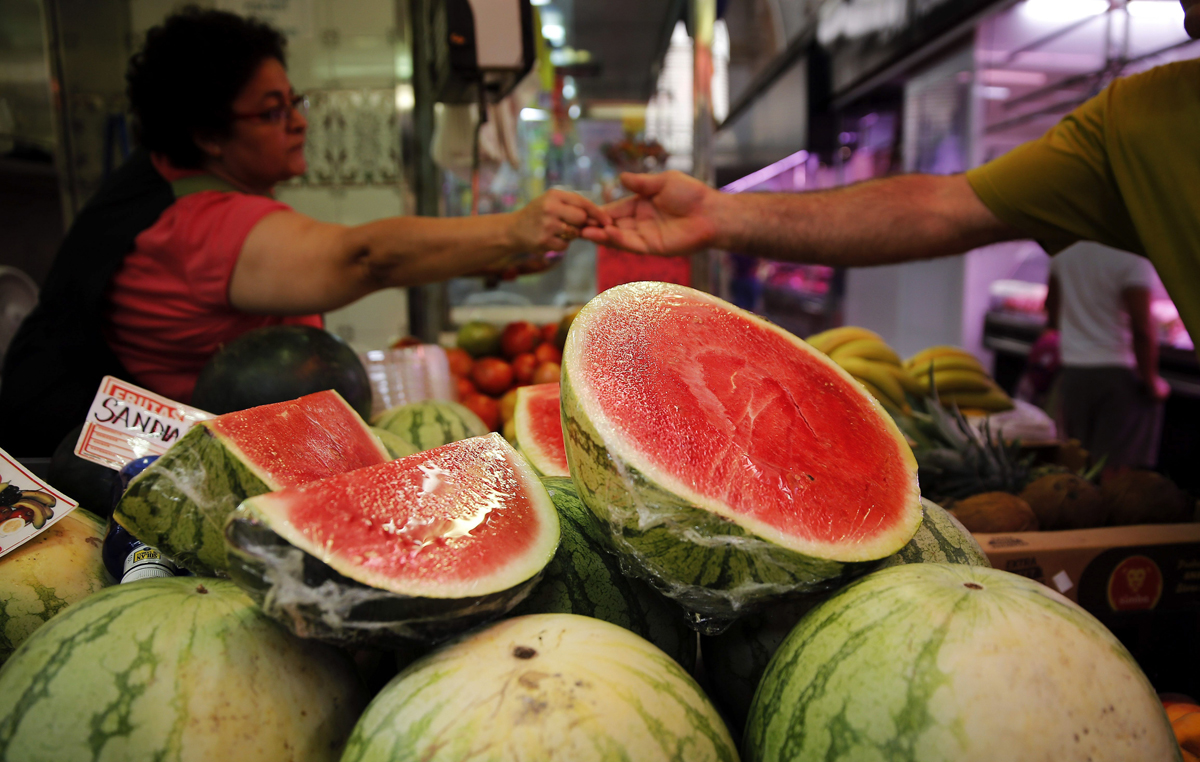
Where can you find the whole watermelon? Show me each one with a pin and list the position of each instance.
(736, 659)
(280, 363)
(431, 423)
(90, 484)
(58, 567)
(943, 663)
(180, 669)
(584, 577)
(542, 687)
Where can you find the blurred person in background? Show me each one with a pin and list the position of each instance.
(1110, 396)
(185, 247)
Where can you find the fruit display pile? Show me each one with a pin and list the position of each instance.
(710, 542)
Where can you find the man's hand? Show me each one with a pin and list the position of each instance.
(552, 220)
(671, 214)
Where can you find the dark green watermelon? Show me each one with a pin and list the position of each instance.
(281, 363)
(90, 484)
(584, 577)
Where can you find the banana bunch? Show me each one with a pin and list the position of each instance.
(958, 378)
(866, 356)
(33, 506)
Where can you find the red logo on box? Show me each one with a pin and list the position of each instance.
(1135, 585)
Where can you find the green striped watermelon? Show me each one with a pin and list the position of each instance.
(542, 687)
(731, 461)
(432, 423)
(58, 567)
(584, 577)
(179, 503)
(421, 547)
(735, 660)
(944, 663)
(396, 446)
(180, 669)
(537, 420)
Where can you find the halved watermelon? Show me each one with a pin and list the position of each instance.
(731, 461)
(419, 547)
(180, 502)
(538, 419)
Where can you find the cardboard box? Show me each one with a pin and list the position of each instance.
(1149, 567)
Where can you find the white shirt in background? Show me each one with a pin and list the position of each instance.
(1093, 325)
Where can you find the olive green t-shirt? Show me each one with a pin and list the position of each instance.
(1123, 169)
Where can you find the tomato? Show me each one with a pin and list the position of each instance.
(524, 366)
(405, 341)
(465, 387)
(508, 405)
(547, 373)
(549, 331)
(460, 361)
(486, 408)
(519, 337)
(492, 375)
(547, 353)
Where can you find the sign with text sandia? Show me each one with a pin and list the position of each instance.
(127, 422)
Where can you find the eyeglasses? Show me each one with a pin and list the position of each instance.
(279, 114)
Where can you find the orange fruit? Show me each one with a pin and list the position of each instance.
(547, 373)
(492, 375)
(524, 366)
(547, 353)
(460, 361)
(485, 407)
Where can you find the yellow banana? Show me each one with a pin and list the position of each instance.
(958, 381)
(930, 353)
(867, 349)
(947, 362)
(908, 381)
(41, 497)
(827, 341)
(877, 375)
(880, 396)
(993, 401)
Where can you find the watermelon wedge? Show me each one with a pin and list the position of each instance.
(420, 547)
(180, 502)
(731, 461)
(538, 417)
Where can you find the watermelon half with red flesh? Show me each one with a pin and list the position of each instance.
(180, 502)
(538, 417)
(419, 547)
(731, 461)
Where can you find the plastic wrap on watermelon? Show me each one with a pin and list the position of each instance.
(731, 462)
(180, 502)
(419, 548)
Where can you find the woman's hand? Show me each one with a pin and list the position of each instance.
(552, 220)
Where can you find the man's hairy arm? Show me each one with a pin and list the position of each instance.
(873, 223)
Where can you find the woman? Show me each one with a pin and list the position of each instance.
(184, 248)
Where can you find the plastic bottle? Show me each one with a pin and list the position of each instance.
(126, 557)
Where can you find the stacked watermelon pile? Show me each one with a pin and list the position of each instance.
(693, 476)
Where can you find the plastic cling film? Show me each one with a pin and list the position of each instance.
(315, 601)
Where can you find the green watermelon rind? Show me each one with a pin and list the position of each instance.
(179, 503)
(314, 600)
(941, 539)
(902, 627)
(121, 675)
(20, 614)
(585, 578)
(709, 564)
(432, 423)
(396, 445)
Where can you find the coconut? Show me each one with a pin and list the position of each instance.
(995, 512)
(1065, 501)
(1135, 496)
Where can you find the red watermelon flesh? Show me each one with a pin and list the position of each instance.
(335, 439)
(539, 428)
(744, 420)
(466, 519)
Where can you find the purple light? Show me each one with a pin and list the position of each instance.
(766, 173)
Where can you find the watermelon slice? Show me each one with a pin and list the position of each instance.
(180, 502)
(420, 547)
(538, 417)
(731, 461)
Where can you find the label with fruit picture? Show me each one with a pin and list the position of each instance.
(127, 422)
(28, 506)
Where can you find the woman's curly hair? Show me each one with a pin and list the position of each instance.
(182, 83)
